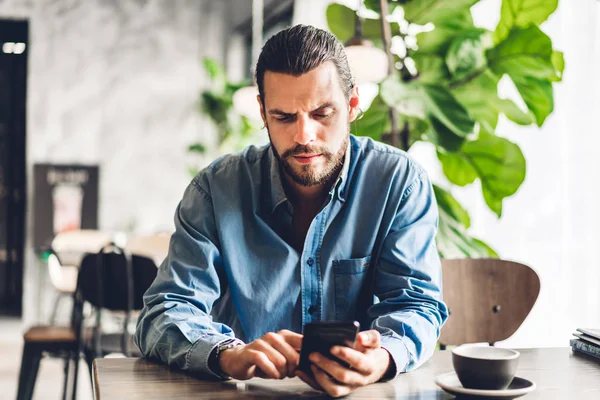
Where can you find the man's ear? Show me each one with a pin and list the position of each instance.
(262, 110)
(353, 104)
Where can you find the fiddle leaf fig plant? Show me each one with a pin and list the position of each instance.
(234, 132)
(444, 90)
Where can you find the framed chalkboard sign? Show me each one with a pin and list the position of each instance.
(65, 199)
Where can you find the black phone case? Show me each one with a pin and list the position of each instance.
(321, 336)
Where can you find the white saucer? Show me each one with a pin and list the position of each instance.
(517, 388)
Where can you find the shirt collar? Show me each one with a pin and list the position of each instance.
(340, 183)
(278, 195)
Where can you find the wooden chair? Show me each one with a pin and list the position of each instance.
(58, 341)
(488, 299)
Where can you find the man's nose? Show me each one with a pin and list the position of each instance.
(306, 131)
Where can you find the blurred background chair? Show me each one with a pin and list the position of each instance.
(115, 280)
(66, 253)
(56, 341)
(488, 299)
(111, 279)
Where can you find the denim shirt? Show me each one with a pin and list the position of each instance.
(231, 271)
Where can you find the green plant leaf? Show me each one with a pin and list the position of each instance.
(215, 106)
(431, 68)
(453, 240)
(442, 137)
(558, 61)
(375, 121)
(514, 113)
(538, 96)
(451, 206)
(424, 11)
(407, 98)
(470, 95)
(418, 129)
(525, 52)
(438, 40)
(526, 55)
(197, 148)
(500, 165)
(442, 105)
(497, 162)
(466, 53)
(449, 120)
(484, 248)
(522, 13)
(457, 169)
(214, 68)
(340, 20)
(485, 86)
(374, 5)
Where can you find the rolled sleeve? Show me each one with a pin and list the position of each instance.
(399, 355)
(199, 354)
(175, 325)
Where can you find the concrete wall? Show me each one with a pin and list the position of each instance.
(115, 83)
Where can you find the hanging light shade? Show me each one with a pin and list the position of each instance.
(368, 63)
(244, 99)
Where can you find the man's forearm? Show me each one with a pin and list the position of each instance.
(184, 343)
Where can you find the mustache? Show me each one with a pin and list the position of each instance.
(302, 149)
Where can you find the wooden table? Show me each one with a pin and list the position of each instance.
(558, 373)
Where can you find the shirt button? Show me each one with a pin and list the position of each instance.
(310, 262)
(312, 309)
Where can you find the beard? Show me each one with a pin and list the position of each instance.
(311, 175)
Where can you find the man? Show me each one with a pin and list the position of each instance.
(312, 227)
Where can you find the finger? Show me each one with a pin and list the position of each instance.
(332, 388)
(370, 339)
(292, 338)
(263, 362)
(279, 344)
(339, 373)
(278, 360)
(308, 380)
(358, 361)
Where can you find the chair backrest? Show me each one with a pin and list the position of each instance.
(152, 246)
(488, 299)
(103, 280)
(114, 280)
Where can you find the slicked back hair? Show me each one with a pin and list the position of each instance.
(300, 49)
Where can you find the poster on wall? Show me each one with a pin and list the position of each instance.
(65, 199)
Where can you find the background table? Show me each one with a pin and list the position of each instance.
(558, 373)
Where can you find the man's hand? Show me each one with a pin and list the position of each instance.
(368, 363)
(274, 356)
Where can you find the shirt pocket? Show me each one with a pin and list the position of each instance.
(349, 276)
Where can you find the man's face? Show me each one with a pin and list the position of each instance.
(308, 120)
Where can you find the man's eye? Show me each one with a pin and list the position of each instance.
(283, 119)
(322, 116)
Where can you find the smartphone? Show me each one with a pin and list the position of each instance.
(322, 336)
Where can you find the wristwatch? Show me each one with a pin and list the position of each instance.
(215, 355)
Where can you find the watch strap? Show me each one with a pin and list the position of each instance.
(215, 355)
